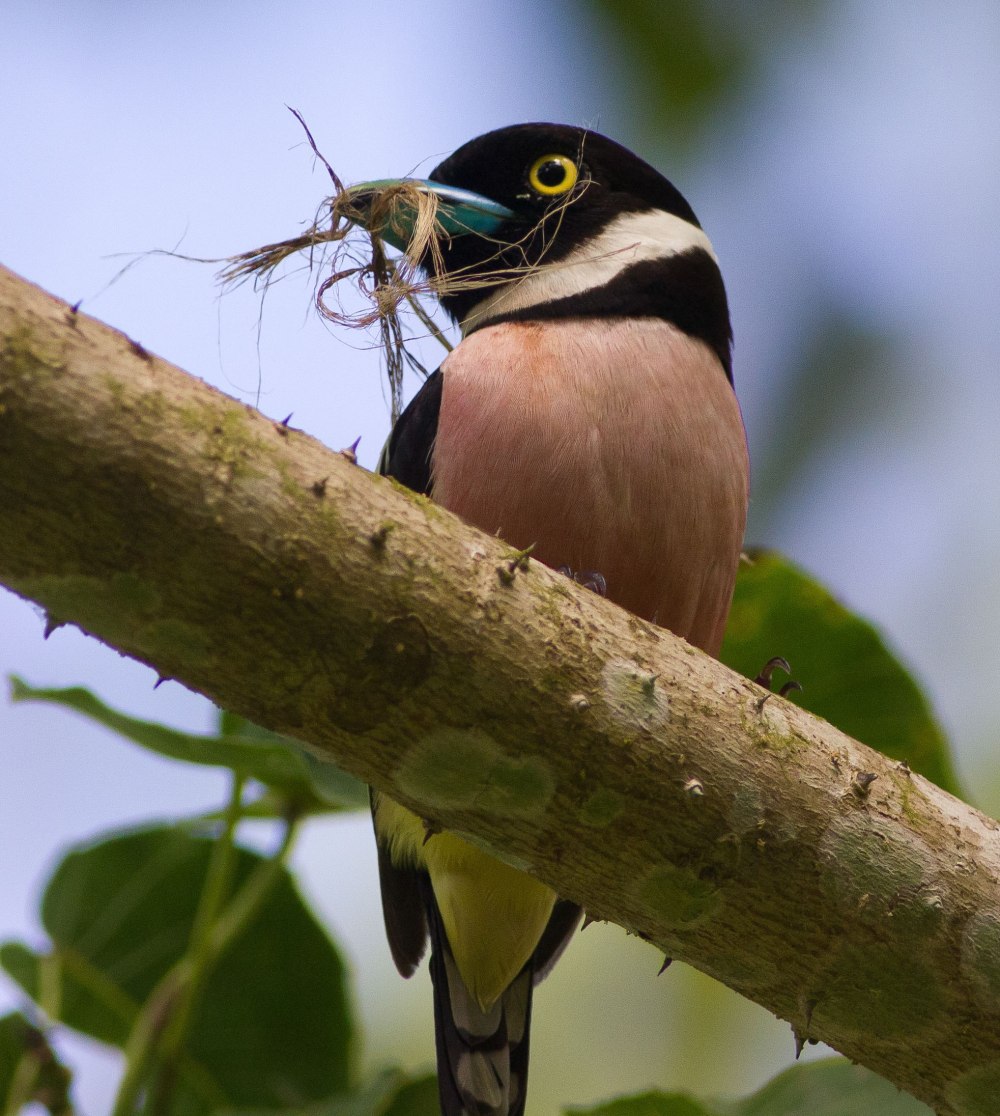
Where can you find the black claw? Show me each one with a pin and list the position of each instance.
(788, 687)
(768, 669)
(589, 579)
(594, 581)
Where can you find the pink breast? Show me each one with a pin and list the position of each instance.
(613, 445)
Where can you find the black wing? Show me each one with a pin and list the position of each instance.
(407, 454)
(402, 907)
(407, 457)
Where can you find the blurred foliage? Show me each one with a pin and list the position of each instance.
(827, 397)
(30, 1072)
(832, 1087)
(283, 765)
(848, 674)
(694, 58)
(272, 1021)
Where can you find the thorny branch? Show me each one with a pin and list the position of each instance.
(496, 698)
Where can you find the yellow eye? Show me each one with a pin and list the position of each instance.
(552, 175)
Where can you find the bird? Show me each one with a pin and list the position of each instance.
(588, 412)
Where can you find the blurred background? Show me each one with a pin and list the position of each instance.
(843, 155)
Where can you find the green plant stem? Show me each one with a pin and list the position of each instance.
(248, 901)
(142, 1043)
(199, 954)
(157, 1014)
(22, 1085)
(163, 1021)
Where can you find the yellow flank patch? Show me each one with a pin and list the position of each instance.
(404, 832)
(493, 914)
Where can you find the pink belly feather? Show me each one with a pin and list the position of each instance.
(613, 445)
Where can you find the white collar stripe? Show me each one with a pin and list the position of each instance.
(629, 239)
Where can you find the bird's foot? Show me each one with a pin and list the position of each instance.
(767, 673)
(589, 579)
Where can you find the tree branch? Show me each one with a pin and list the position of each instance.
(631, 772)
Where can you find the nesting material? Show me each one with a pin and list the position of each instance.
(343, 244)
(340, 247)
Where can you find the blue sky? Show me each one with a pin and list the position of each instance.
(866, 161)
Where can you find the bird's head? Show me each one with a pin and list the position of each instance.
(533, 214)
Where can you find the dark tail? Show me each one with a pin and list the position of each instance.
(482, 1057)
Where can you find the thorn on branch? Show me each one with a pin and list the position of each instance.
(667, 962)
(139, 351)
(588, 920)
(431, 829)
(51, 625)
(862, 783)
(509, 570)
(282, 427)
(380, 536)
(160, 679)
(350, 454)
(802, 1035)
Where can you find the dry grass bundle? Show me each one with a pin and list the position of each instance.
(341, 246)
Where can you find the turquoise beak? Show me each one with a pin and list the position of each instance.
(459, 211)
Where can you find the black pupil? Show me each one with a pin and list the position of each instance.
(551, 173)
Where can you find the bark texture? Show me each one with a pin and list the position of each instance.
(629, 771)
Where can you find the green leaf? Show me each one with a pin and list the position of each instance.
(334, 787)
(418, 1097)
(648, 1104)
(830, 1087)
(29, 1069)
(390, 1093)
(279, 762)
(272, 1026)
(848, 674)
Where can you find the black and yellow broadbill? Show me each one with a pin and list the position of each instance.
(588, 412)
